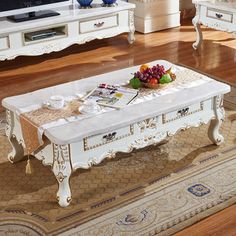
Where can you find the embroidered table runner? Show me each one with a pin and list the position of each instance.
(35, 121)
(32, 123)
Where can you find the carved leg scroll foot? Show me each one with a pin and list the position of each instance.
(197, 27)
(213, 132)
(64, 192)
(17, 152)
(199, 35)
(131, 37)
(62, 170)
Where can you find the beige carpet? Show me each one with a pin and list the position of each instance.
(154, 191)
(105, 195)
(230, 99)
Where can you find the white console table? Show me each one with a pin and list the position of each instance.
(214, 14)
(72, 26)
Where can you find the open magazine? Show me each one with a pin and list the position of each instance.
(112, 96)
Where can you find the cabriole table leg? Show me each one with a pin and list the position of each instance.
(213, 132)
(62, 169)
(197, 27)
(131, 37)
(17, 152)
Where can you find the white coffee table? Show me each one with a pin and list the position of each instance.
(83, 143)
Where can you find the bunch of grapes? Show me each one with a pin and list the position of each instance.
(149, 73)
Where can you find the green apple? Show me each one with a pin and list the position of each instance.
(135, 83)
(165, 79)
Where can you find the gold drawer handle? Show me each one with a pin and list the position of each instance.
(99, 24)
(219, 15)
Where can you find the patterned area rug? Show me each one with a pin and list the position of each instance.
(230, 99)
(154, 191)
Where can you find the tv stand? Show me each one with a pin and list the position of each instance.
(33, 15)
(72, 26)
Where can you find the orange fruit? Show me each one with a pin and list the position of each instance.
(143, 67)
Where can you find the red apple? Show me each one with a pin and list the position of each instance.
(153, 81)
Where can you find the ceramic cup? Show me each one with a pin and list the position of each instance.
(56, 101)
(90, 106)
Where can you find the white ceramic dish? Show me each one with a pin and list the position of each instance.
(48, 106)
(84, 110)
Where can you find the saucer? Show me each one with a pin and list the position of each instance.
(48, 106)
(83, 110)
(80, 95)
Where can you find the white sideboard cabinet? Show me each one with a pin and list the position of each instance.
(154, 15)
(72, 26)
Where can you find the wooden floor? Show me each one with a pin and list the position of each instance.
(217, 57)
(222, 223)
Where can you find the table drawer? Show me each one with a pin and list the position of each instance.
(102, 139)
(220, 15)
(98, 24)
(4, 43)
(182, 112)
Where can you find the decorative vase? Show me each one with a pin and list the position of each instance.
(85, 3)
(109, 3)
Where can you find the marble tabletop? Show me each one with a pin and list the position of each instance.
(74, 131)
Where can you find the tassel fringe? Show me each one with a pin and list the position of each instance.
(28, 168)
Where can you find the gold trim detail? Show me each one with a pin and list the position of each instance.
(219, 101)
(150, 123)
(69, 199)
(182, 114)
(87, 147)
(61, 155)
(60, 177)
(9, 124)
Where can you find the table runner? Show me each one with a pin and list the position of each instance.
(36, 119)
(33, 121)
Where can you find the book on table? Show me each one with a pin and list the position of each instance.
(112, 96)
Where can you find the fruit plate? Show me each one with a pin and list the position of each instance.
(151, 86)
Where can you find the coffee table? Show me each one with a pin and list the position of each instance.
(82, 143)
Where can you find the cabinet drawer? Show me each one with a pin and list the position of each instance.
(96, 141)
(4, 43)
(98, 24)
(182, 112)
(220, 15)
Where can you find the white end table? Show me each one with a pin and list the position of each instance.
(214, 14)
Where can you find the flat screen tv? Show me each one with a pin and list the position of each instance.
(21, 10)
